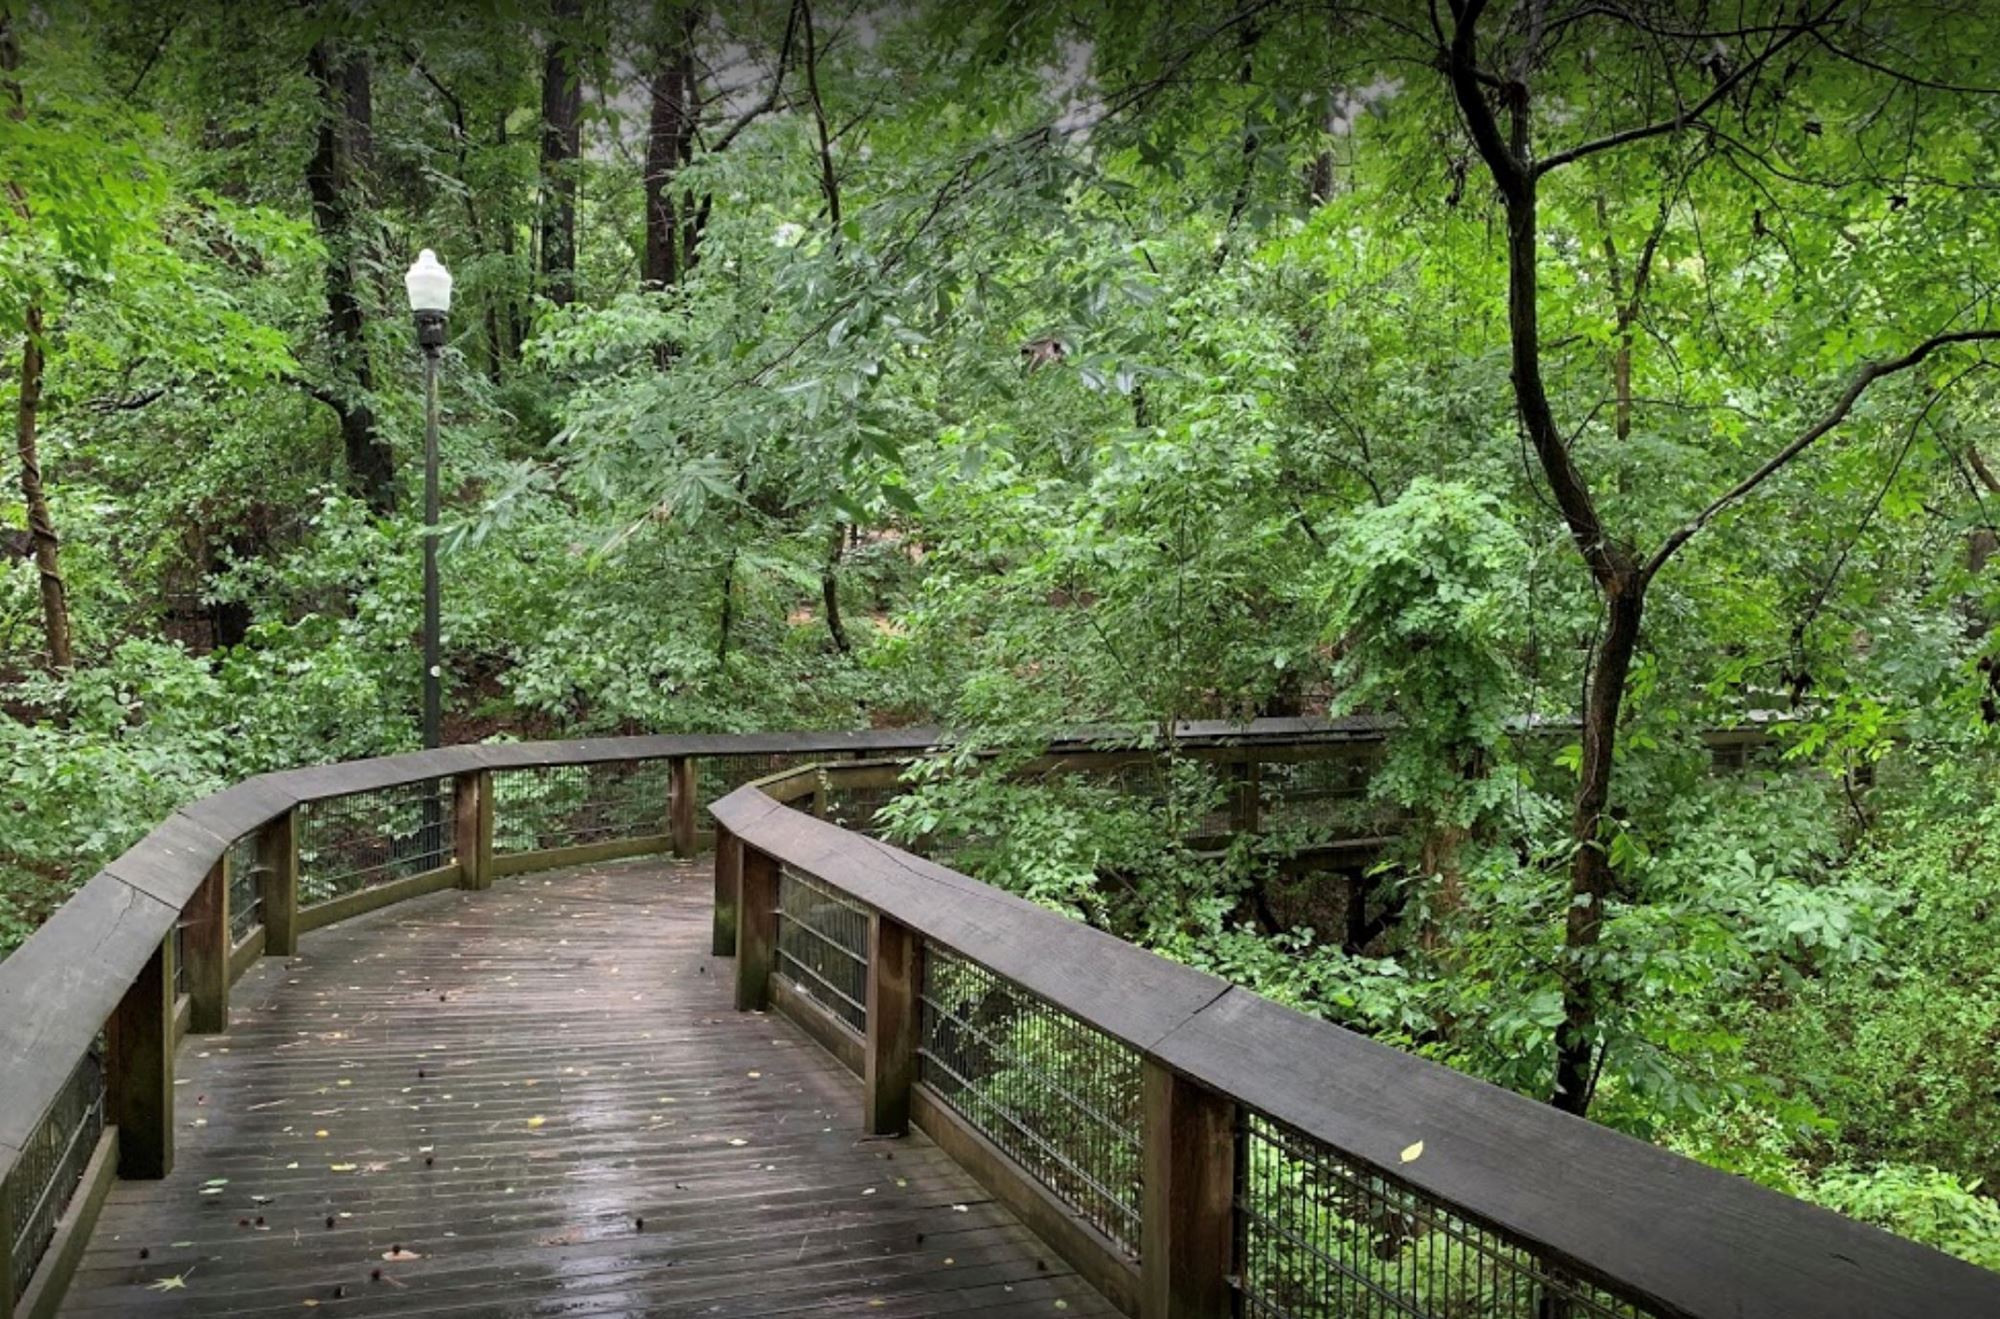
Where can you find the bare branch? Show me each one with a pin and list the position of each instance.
(1688, 115)
(1914, 80)
(1866, 376)
(770, 101)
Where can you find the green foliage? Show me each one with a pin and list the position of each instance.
(1423, 605)
(1085, 410)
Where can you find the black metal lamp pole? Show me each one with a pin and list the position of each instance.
(430, 337)
(429, 285)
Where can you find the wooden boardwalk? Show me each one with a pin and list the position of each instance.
(537, 1100)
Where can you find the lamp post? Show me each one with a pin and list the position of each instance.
(429, 287)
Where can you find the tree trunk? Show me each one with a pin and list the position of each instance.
(27, 413)
(728, 622)
(562, 142)
(1620, 580)
(1590, 863)
(41, 527)
(336, 177)
(511, 321)
(670, 146)
(829, 590)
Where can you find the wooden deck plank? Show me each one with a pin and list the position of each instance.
(542, 1095)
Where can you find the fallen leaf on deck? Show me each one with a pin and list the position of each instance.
(340, 1167)
(173, 1282)
(536, 1121)
(399, 1255)
(1414, 1152)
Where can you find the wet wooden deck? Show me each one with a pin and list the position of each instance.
(537, 1100)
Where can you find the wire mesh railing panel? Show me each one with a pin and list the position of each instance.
(718, 776)
(1319, 1236)
(50, 1166)
(246, 889)
(1331, 792)
(552, 806)
(823, 946)
(367, 839)
(855, 807)
(1059, 1097)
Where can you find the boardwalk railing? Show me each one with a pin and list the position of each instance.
(1193, 1148)
(93, 1005)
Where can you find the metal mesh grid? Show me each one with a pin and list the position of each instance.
(855, 808)
(1322, 1237)
(1313, 792)
(347, 844)
(551, 806)
(246, 892)
(1060, 1098)
(1220, 819)
(1144, 779)
(51, 1164)
(718, 776)
(823, 946)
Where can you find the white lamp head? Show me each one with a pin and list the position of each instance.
(429, 284)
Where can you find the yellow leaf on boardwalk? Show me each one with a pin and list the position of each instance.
(1413, 1152)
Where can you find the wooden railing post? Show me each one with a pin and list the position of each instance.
(889, 1061)
(472, 819)
(139, 1065)
(206, 947)
(682, 803)
(756, 928)
(1187, 1198)
(278, 883)
(728, 880)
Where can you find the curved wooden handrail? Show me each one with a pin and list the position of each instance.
(1660, 1230)
(1645, 1223)
(60, 986)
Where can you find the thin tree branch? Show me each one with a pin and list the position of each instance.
(1866, 376)
(1687, 116)
(770, 101)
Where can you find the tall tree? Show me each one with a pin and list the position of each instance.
(562, 143)
(1496, 102)
(337, 179)
(27, 408)
(676, 111)
(676, 217)
(829, 183)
